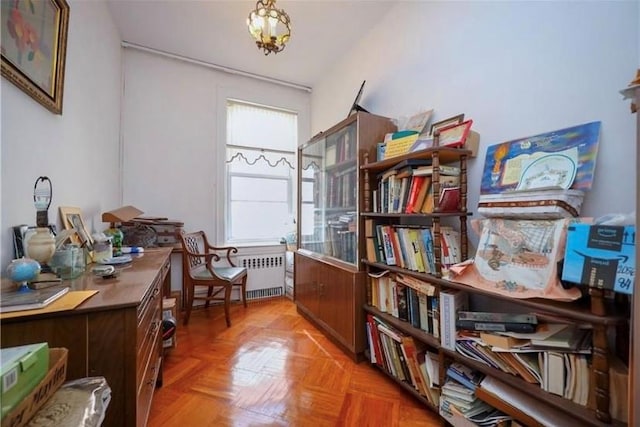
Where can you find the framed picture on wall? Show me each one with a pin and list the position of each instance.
(34, 45)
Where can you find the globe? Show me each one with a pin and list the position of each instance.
(22, 270)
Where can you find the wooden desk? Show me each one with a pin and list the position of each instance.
(117, 333)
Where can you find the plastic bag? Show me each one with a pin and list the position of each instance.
(617, 219)
(77, 403)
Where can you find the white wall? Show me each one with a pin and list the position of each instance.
(174, 130)
(516, 68)
(79, 150)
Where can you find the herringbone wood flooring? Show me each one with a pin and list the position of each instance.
(273, 368)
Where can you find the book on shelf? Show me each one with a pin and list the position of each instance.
(451, 301)
(330, 155)
(456, 390)
(483, 316)
(445, 182)
(414, 189)
(423, 185)
(568, 338)
(449, 199)
(403, 309)
(443, 170)
(374, 342)
(410, 351)
(14, 300)
(495, 326)
(466, 376)
(503, 341)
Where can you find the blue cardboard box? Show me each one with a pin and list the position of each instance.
(601, 256)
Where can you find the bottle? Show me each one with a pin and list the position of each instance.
(116, 239)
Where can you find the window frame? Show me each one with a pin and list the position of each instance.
(228, 175)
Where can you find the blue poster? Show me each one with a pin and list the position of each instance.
(574, 148)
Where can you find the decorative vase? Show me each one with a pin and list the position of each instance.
(22, 270)
(41, 245)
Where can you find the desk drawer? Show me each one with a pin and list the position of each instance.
(145, 392)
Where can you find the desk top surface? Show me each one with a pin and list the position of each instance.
(126, 289)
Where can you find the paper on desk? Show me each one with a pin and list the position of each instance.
(69, 301)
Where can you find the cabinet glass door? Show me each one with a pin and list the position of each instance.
(312, 158)
(329, 195)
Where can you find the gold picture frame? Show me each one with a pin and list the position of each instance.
(36, 65)
(72, 220)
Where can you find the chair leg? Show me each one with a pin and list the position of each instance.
(189, 304)
(244, 291)
(227, 303)
(209, 293)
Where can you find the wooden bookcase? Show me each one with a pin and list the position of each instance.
(329, 279)
(600, 314)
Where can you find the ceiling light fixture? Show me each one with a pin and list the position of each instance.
(269, 26)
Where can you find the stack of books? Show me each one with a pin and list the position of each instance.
(459, 403)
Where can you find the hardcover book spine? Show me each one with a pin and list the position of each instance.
(495, 326)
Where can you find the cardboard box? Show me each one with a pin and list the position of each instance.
(21, 370)
(601, 256)
(54, 378)
(472, 143)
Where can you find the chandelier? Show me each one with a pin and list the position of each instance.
(269, 26)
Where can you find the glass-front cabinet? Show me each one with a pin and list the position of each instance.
(329, 277)
(329, 190)
(329, 185)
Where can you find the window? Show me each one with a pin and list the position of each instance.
(261, 144)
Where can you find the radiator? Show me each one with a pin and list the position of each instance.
(265, 277)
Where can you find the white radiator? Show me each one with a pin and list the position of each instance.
(265, 274)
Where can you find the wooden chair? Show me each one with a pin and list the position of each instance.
(210, 267)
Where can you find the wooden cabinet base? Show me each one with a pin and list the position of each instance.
(332, 298)
(114, 334)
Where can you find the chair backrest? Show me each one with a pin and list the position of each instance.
(193, 244)
(196, 243)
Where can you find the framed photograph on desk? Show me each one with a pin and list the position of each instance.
(72, 220)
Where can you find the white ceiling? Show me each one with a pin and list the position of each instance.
(215, 32)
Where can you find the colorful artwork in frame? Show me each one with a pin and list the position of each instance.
(504, 163)
(34, 40)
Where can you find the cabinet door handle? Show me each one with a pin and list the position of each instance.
(154, 327)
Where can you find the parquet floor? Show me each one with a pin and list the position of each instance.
(273, 368)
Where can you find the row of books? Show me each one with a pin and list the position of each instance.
(404, 358)
(342, 188)
(406, 298)
(411, 247)
(340, 148)
(414, 194)
(342, 238)
(564, 374)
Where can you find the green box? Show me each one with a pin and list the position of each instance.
(21, 370)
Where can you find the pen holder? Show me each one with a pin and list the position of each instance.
(68, 262)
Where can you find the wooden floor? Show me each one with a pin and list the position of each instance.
(273, 368)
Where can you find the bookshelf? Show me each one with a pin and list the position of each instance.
(329, 278)
(594, 311)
